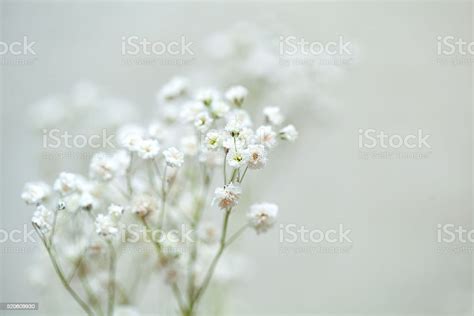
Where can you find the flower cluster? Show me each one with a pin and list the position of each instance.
(159, 181)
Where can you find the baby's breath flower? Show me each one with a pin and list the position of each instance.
(289, 133)
(237, 158)
(190, 111)
(102, 167)
(240, 115)
(233, 143)
(257, 156)
(148, 149)
(189, 145)
(213, 139)
(106, 226)
(219, 109)
(237, 95)
(174, 158)
(262, 216)
(115, 212)
(35, 192)
(87, 201)
(207, 96)
(273, 115)
(266, 136)
(210, 157)
(173, 89)
(234, 126)
(143, 205)
(130, 136)
(66, 183)
(157, 131)
(122, 161)
(227, 196)
(203, 122)
(43, 218)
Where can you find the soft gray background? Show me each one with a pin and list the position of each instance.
(392, 206)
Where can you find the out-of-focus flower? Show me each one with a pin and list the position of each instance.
(262, 216)
(266, 136)
(189, 145)
(102, 167)
(273, 115)
(35, 192)
(227, 196)
(257, 156)
(148, 149)
(174, 158)
(115, 212)
(219, 109)
(106, 226)
(143, 205)
(237, 95)
(173, 89)
(207, 96)
(130, 137)
(66, 183)
(43, 218)
(289, 133)
(203, 122)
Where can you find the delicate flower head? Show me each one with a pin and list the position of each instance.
(106, 226)
(240, 115)
(266, 136)
(190, 111)
(273, 115)
(130, 136)
(213, 139)
(102, 167)
(227, 196)
(174, 158)
(43, 218)
(257, 156)
(173, 89)
(189, 145)
(237, 158)
(157, 131)
(234, 126)
(35, 192)
(143, 205)
(289, 133)
(87, 201)
(148, 149)
(66, 183)
(237, 95)
(207, 96)
(219, 109)
(115, 212)
(203, 122)
(262, 216)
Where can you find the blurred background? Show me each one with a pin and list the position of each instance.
(395, 81)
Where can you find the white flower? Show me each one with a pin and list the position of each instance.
(130, 136)
(289, 133)
(174, 158)
(148, 149)
(236, 95)
(234, 126)
(266, 136)
(219, 109)
(102, 167)
(173, 89)
(227, 196)
(213, 139)
(122, 162)
(143, 205)
(42, 218)
(190, 110)
(87, 201)
(257, 156)
(66, 183)
(126, 310)
(240, 115)
(262, 216)
(237, 158)
(157, 131)
(246, 135)
(203, 122)
(207, 96)
(273, 115)
(189, 145)
(211, 158)
(115, 212)
(105, 226)
(35, 192)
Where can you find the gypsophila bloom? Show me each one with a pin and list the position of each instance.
(237, 158)
(173, 89)
(219, 109)
(130, 136)
(189, 145)
(66, 183)
(240, 115)
(143, 205)
(213, 139)
(234, 126)
(87, 201)
(227, 196)
(190, 111)
(266, 136)
(262, 216)
(148, 149)
(257, 156)
(42, 218)
(236, 95)
(273, 115)
(35, 192)
(115, 212)
(174, 158)
(207, 96)
(203, 122)
(122, 161)
(157, 131)
(102, 167)
(105, 226)
(289, 133)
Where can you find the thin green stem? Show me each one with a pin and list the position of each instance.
(112, 268)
